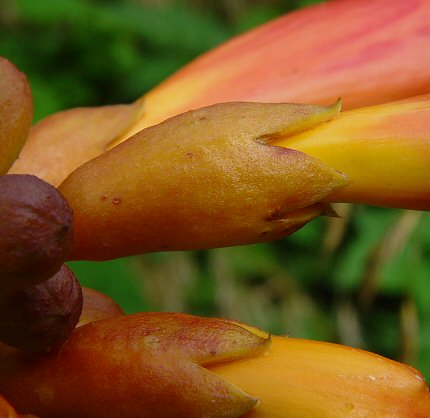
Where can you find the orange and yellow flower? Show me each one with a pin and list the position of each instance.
(366, 52)
(230, 174)
(170, 365)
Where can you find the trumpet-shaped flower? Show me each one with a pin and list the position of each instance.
(230, 174)
(366, 52)
(239, 173)
(207, 178)
(164, 365)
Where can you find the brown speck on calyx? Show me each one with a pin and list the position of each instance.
(275, 214)
(116, 200)
(103, 197)
(189, 155)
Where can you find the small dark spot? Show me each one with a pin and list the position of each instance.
(203, 118)
(116, 200)
(104, 197)
(189, 155)
(213, 352)
(275, 214)
(264, 233)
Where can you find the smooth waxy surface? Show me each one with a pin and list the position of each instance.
(40, 318)
(384, 150)
(151, 365)
(311, 379)
(207, 178)
(35, 231)
(366, 52)
(62, 142)
(147, 365)
(363, 51)
(16, 112)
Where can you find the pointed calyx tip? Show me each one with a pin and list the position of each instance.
(170, 354)
(240, 188)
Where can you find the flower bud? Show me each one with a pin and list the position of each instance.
(206, 178)
(16, 112)
(35, 231)
(40, 318)
(148, 365)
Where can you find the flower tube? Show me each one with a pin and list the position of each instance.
(167, 365)
(366, 52)
(384, 150)
(240, 173)
(311, 379)
(204, 179)
(143, 365)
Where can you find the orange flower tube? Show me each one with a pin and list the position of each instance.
(312, 379)
(365, 51)
(240, 173)
(204, 179)
(166, 365)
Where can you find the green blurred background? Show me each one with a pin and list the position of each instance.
(362, 280)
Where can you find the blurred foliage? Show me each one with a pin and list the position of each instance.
(361, 280)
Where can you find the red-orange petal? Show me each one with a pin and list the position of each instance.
(367, 52)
